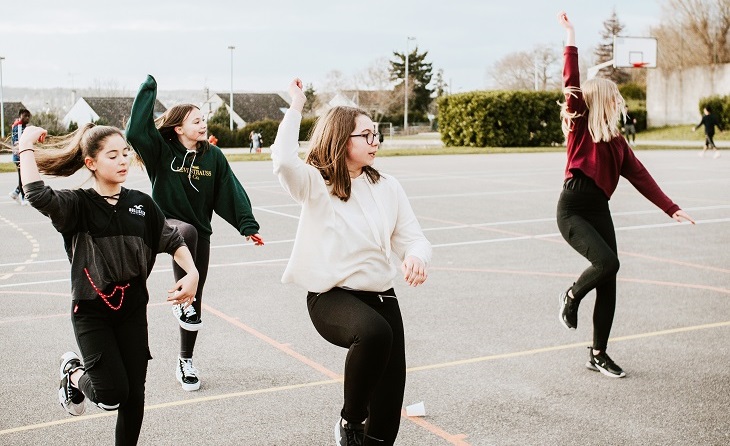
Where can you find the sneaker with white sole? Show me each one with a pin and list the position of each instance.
(604, 364)
(187, 317)
(14, 194)
(349, 434)
(717, 154)
(187, 374)
(70, 397)
(568, 310)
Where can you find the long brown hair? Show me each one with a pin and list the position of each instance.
(174, 117)
(66, 155)
(328, 149)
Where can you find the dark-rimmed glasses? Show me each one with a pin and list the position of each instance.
(369, 137)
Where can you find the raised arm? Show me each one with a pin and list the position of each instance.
(569, 30)
(26, 150)
(294, 175)
(141, 131)
(60, 206)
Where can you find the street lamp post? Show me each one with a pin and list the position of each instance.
(231, 47)
(405, 112)
(2, 102)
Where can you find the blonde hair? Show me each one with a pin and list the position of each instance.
(605, 106)
(328, 149)
(66, 155)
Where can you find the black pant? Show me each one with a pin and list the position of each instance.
(200, 249)
(115, 351)
(584, 220)
(370, 326)
(19, 187)
(709, 142)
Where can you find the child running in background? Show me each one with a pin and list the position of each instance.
(354, 220)
(191, 179)
(112, 236)
(709, 120)
(597, 156)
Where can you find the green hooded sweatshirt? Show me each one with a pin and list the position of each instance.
(176, 174)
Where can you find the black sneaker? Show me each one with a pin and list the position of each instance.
(187, 375)
(604, 364)
(71, 398)
(349, 434)
(568, 310)
(187, 317)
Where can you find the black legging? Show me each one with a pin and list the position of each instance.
(370, 326)
(19, 188)
(115, 351)
(584, 220)
(709, 142)
(200, 249)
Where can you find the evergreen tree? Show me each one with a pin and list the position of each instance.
(604, 51)
(311, 95)
(419, 76)
(222, 118)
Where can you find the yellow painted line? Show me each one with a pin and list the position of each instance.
(166, 405)
(457, 439)
(567, 346)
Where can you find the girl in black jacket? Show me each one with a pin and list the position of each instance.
(112, 236)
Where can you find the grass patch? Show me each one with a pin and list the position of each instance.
(675, 132)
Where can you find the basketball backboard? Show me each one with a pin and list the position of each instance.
(634, 52)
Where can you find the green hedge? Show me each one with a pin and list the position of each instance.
(500, 119)
(720, 106)
(267, 128)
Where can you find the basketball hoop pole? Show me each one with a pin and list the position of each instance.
(593, 71)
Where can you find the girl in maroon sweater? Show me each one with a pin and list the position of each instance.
(597, 156)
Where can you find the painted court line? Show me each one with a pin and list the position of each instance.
(568, 346)
(619, 279)
(454, 439)
(322, 369)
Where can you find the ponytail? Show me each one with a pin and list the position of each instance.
(66, 155)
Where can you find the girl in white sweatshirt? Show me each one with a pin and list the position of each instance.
(354, 220)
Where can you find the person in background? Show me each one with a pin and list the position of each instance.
(17, 131)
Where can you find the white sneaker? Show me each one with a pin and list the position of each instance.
(13, 195)
(24, 202)
(71, 398)
(717, 154)
(187, 317)
(187, 374)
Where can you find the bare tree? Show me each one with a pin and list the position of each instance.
(375, 89)
(108, 88)
(694, 32)
(517, 71)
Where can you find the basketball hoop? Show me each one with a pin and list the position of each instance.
(640, 64)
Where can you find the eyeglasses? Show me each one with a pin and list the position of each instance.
(369, 137)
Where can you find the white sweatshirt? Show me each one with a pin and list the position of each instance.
(344, 243)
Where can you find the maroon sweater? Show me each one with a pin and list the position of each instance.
(604, 162)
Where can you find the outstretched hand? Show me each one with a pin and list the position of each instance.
(681, 215)
(296, 92)
(256, 239)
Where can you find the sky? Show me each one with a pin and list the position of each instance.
(184, 44)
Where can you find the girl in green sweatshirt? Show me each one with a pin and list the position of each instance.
(191, 179)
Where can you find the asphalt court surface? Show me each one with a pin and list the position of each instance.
(485, 350)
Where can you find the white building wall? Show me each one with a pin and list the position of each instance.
(214, 103)
(672, 97)
(80, 113)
